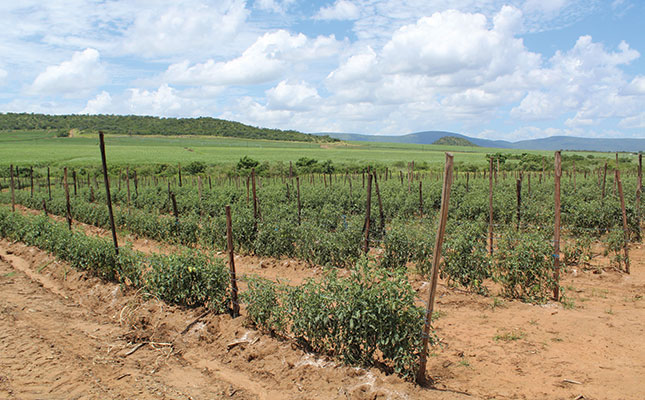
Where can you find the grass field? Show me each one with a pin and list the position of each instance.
(42, 148)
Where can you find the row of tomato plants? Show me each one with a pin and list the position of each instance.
(368, 318)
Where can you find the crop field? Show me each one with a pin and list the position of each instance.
(46, 149)
(317, 285)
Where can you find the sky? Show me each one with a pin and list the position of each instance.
(513, 70)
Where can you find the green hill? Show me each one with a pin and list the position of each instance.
(144, 125)
(454, 141)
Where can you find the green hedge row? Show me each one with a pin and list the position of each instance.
(189, 279)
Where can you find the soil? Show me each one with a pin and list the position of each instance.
(67, 335)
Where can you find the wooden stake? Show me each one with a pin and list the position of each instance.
(490, 207)
(556, 230)
(235, 306)
(380, 205)
(31, 178)
(107, 192)
(127, 183)
(639, 189)
(298, 188)
(625, 227)
(179, 173)
(421, 198)
(49, 185)
(13, 197)
(436, 257)
(68, 208)
(518, 190)
(255, 200)
(604, 180)
(368, 206)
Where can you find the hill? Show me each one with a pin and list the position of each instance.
(454, 141)
(551, 143)
(145, 125)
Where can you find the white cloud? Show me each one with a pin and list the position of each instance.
(636, 86)
(3, 75)
(98, 105)
(276, 6)
(270, 57)
(72, 78)
(164, 101)
(340, 10)
(292, 96)
(185, 28)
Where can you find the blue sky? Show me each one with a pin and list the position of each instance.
(513, 70)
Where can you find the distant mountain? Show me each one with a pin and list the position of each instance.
(551, 143)
(454, 141)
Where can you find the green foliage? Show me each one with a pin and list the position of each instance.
(190, 279)
(465, 259)
(577, 251)
(524, 266)
(195, 167)
(615, 243)
(366, 317)
(246, 163)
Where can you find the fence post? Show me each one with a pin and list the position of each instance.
(556, 230)
(235, 306)
(625, 227)
(436, 256)
(107, 192)
(68, 208)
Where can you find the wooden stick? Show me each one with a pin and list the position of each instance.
(49, 185)
(490, 207)
(255, 200)
(556, 231)
(235, 306)
(436, 257)
(31, 178)
(179, 173)
(368, 207)
(380, 205)
(625, 227)
(68, 208)
(604, 181)
(518, 190)
(298, 187)
(107, 192)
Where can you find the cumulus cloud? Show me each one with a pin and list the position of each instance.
(72, 78)
(340, 10)
(184, 27)
(292, 96)
(265, 60)
(98, 105)
(164, 101)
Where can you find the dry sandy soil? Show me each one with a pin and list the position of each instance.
(67, 335)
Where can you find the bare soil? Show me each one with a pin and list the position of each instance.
(67, 335)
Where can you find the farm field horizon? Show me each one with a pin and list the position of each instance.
(41, 148)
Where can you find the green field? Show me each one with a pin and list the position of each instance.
(41, 148)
